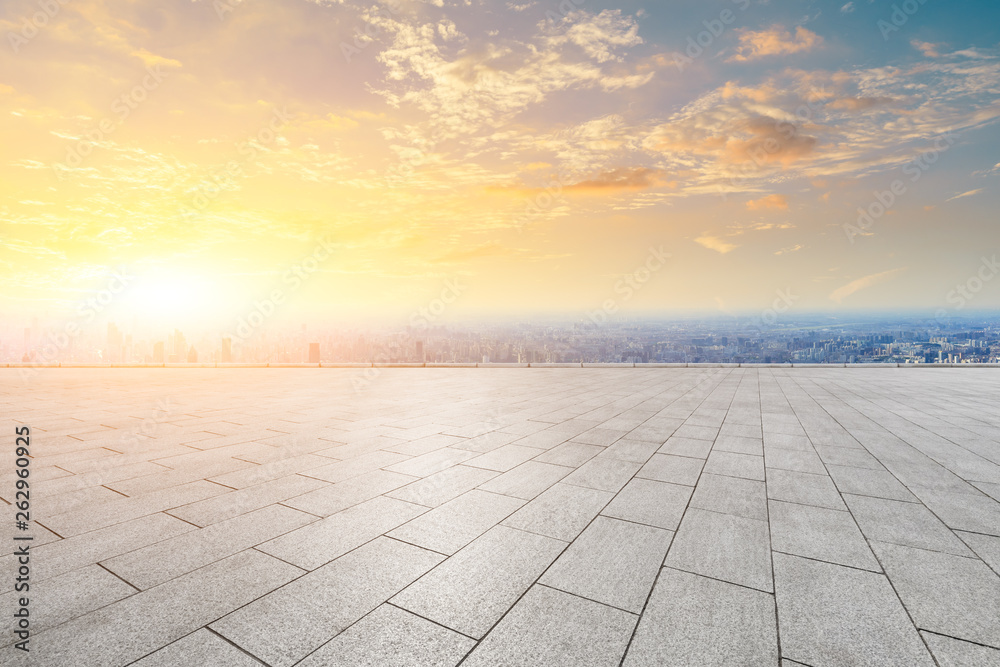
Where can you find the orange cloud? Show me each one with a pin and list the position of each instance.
(636, 178)
(859, 103)
(929, 49)
(771, 201)
(716, 244)
(774, 41)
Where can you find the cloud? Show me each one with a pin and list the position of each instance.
(598, 35)
(769, 202)
(850, 288)
(637, 178)
(847, 9)
(716, 244)
(859, 103)
(965, 194)
(785, 251)
(774, 41)
(929, 49)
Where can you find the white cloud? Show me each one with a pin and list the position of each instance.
(850, 288)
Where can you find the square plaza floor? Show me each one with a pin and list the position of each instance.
(506, 517)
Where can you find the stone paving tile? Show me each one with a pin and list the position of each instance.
(731, 495)
(136, 626)
(432, 462)
(866, 482)
(951, 652)
(603, 474)
(908, 524)
(944, 593)
(555, 629)
(165, 560)
(392, 637)
(803, 488)
(821, 534)
(673, 469)
(570, 454)
(332, 498)
(526, 480)
(439, 488)
(834, 615)
(913, 453)
(451, 526)
(693, 620)
(963, 511)
(735, 465)
(504, 458)
(321, 541)
(613, 562)
(234, 503)
(793, 459)
(723, 546)
(473, 589)
(698, 449)
(208, 648)
(562, 512)
(73, 553)
(63, 598)
(123, 509)
(652, 503)
(287, 624)
(626, 449)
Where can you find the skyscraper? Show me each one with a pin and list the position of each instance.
(313, 353)
(227, 350)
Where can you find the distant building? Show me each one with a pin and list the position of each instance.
(158, 356)
(192, 355)
(227, 350)
(313, 352)
(420, 350)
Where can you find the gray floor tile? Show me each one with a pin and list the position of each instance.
(793, 459)
(138, 625)
(392, 637)
(731, 495)
(333, 498)
(284, 626)
(673, 469)
(821, 534)
(803, 488)
(613, 562)
(865, 482)
(723, 546)
(555, 629)
(428, 464)
(443, 486)
(977, 513)
(561, 512)
(987, 547)
(160, 562)
(571, 454)
(470, 591)
(651, 503)
(908, 524)
(951, 652)
(321, 541)
(735, 465)
(834, 615)
(686, 447)
(637, 451)
(448, 528)
(947, 594)
(202, 646)
(603, 474)
(526, 480)
(693, 620)
(739, 445)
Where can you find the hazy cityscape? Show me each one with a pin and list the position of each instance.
(820, 338)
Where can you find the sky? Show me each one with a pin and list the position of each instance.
(193, 160)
